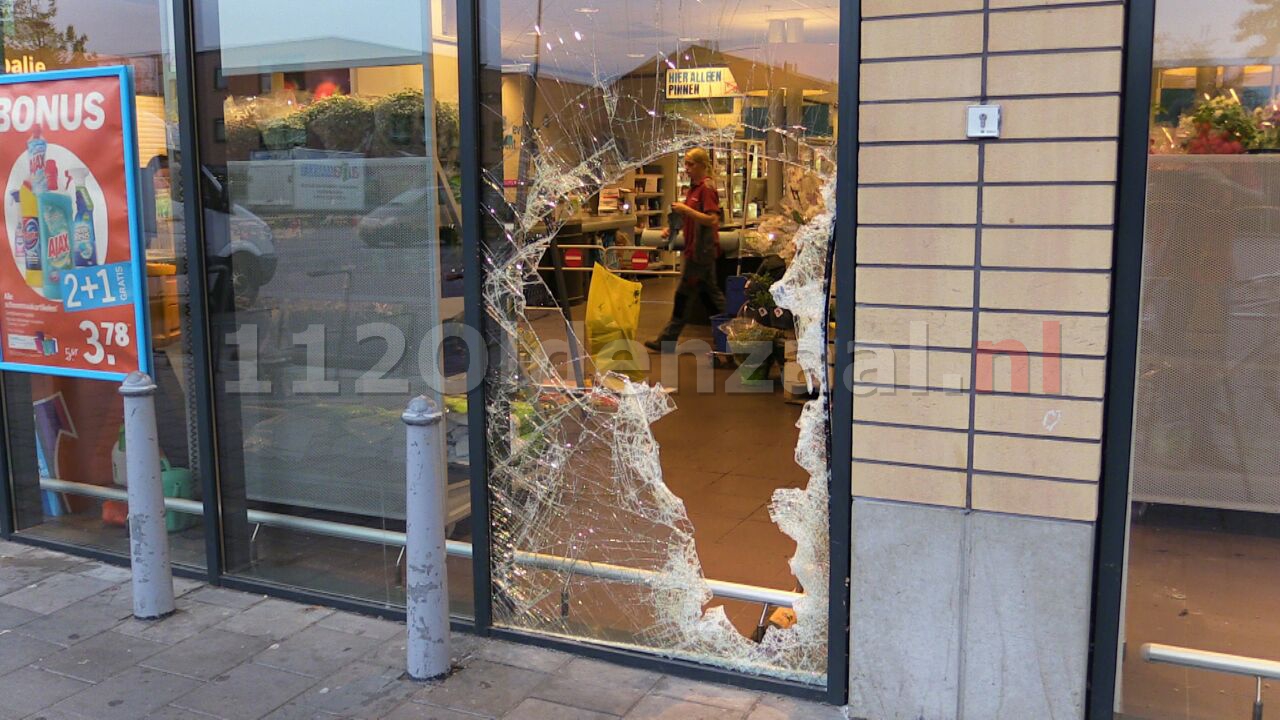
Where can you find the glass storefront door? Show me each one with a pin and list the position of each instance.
(66, 435)
(1204, 523)
(329, 174)
(662, 173)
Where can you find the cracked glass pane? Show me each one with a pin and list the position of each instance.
(654, 155)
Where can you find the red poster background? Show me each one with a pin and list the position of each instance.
(23, 309)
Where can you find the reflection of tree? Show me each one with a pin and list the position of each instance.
(1262, 22)
(31, 29)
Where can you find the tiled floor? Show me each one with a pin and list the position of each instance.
(1206, 590)
(70, 650)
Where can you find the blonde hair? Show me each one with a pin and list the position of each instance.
(701, 157)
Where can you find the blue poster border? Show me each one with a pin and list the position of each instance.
(142, 325)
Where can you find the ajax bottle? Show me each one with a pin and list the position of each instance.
(55, 233)
(84, 246)
(37, 148)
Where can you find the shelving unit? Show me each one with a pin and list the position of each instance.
(650, 189)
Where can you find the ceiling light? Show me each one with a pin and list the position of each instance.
(587, 10)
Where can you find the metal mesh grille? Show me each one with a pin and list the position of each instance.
(1208, 401)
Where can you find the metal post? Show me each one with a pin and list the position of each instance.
(426, 580)
(148, 538)
(1257, 700)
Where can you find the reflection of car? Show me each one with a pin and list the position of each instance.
(402, 221)
(237, 242)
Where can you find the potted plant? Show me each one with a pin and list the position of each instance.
(760, 304)
(746, 341)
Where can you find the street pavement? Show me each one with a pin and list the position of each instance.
(71, 650)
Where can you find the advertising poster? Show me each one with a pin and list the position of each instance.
(72, 291)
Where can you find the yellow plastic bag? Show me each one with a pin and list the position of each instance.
(613, 318)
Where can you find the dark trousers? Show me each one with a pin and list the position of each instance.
(697, 279)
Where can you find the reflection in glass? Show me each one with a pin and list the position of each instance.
(620, 481)
(69, 430)
(331, 223)
(1204, 536)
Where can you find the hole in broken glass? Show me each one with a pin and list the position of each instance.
(588, 540)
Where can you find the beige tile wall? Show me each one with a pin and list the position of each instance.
(987, 262)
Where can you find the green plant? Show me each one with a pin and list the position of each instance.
(758, 291)
(1218, 125)
(340, 122)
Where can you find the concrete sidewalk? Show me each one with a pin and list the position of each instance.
(71, 650)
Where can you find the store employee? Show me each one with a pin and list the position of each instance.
(701, 213)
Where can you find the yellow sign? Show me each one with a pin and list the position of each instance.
(690, 83)
(24, 64)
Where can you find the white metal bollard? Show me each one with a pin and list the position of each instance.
(426, 580)
(148, 538)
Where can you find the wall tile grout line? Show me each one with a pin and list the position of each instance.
(1013, 226)
(998, 53)
(871, 344)
(997, 311)
(1004, 183)
(973, 373)
(1002, 513)
(965, 142)
(979, 471)
(991, 268)
(933, 389)
(996, 11)
(975, 98)
(991, 433)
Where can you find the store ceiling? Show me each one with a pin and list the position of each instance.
(584, 39)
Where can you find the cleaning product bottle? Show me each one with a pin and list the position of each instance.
(84, 245)
(55, 233)
(37, 148)
(31, 235)
(19, 247)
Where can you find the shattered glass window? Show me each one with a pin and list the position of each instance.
(621, 477)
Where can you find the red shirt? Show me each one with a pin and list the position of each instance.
(703, 198)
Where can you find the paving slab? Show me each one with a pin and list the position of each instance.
(360, 690)
(12, 616)
(597, 697)
(721, 696)
(603, 673)
(226, 597)
(133, 694)
(207, 654)
(102, 571)
(658, 707)
(362, 625)
(296, 711)
(315, 651)
(18, 650)
(28, 690)
(101, 656)
(275, 618)
(523, 656)
(246, 692)
(190, 619)
(777, 707)
(418, 711)
(484, 688)
(55, 592)
(536, 709)
(78, 621)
